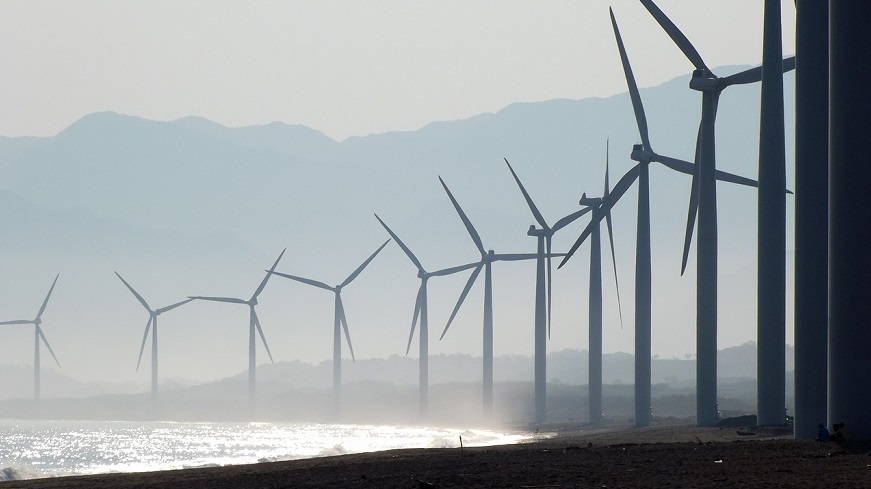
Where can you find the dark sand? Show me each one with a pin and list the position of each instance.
(664, 455)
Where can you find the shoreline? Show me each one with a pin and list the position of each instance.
(667, 453)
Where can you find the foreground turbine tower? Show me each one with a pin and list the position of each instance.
(811, 214)
(544, 234)
(152, 323)
(421, 311)
(253, 324)
(487, 260)
(340, 322)
(771, 288)
(703, 200)
(849, 215)
(38, 337)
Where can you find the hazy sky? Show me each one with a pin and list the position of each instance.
(345, 68)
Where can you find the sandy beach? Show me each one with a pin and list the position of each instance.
(667, 454)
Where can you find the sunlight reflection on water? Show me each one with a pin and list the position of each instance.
(50, 448)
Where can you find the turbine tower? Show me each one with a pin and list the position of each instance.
(771, 264)
(38, 337)
(152, 323)
(253, 324)
(340, 322)
(545, 235)
(595, 292)
(421, 311)
(487, 260)
(703, 200)
(642, 153)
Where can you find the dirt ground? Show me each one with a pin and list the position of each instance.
(664, 455)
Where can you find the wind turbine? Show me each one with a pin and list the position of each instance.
(545, 235)
(421, 311)
(339, 320)
(642, 153)
(152, 323)
(703, 200)
(253, 324)
(595, 292)
(38, 336)
(487, 260)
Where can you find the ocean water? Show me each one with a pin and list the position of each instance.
(34, 449)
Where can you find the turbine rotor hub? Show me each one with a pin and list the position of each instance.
(640, 154)
(703, 80)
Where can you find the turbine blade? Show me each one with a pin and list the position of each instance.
(607, 203)
(691, 221)
(514, 256)
(694, 204)
(675, 164)
(469, 283)
(144, 338)
(362, 266)
(135, 294)
(453, 270)
(173, 306)
(17, 321)
(535, 213)
(402, 245)
(262, 336)
(417, 304)
(614, 261)
(610, 227)
(676, 35)
(344, 321)
(570, 219)
(268, 274)
(47, 296)
(688, 168)
(754, 74)
(732, 178)
(231, 300)
(637, 106)
(47, 345)
(304, 280)
(607, 165)
(471, 229)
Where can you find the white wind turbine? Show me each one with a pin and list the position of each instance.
(487, 260)
(38, 337)
(152, 323)
(339, 320)
(544, 234)
(421, 311)
(253, 324)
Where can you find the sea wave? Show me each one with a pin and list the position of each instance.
(19, 473)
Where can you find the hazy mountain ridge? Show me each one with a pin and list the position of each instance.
(564, 367)
(385, 391)
(189, 206)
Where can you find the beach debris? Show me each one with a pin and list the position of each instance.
(422, 484)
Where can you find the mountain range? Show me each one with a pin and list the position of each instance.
(190, 207)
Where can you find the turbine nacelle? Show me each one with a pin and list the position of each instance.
(590, 201)
(703, 80)
(533, 231)
(640, 154)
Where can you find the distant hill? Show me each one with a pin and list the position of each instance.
(192, 207)
(385, 391)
